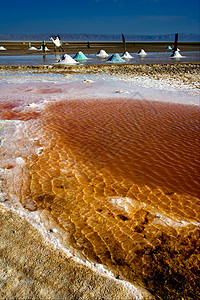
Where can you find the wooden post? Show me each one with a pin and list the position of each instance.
(176, 42)
(123, 39)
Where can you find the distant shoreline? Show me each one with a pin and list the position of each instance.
(101, 37)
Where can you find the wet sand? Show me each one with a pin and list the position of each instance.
(117, 180)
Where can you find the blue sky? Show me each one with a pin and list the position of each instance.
(100, 16)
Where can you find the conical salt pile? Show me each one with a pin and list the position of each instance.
(80, 56)
(41, 49)
(2, 48)
(142, 53)
(176, 54)
(169, 48)
(115, 58)
(32, 48)
(66, 60)
(126, 55)
(102, 54)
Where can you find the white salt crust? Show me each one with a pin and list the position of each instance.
(105, 86)
(50, 236)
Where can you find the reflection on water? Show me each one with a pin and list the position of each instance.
(44, 58)
(152, 57)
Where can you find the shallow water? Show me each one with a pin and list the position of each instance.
(152, 57)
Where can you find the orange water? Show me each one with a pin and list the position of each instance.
(147, 143)
(119, 176)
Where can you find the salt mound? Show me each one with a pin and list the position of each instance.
(115, 58)
(176, 54)
(102, 54)
(32, 48)
(142, 53)
(67, 60)
(2, 48)
(41, 49)
(80, 56)
(126, 55)
(169, 48)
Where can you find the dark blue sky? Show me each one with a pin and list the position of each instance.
(100, 16)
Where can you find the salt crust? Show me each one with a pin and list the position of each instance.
(34, 219)
(127, 204)
(168, 84)
(20, 161)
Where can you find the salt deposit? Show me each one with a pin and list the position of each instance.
(45, 49)
(169, 48)
(102, 54)
(126, 55)
(2, 48)
(115, 58)
(80, 56)
(176, 54)
(142, 53)
(67, 60)
(32, 48)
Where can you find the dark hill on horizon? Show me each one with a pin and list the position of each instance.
(99, 37)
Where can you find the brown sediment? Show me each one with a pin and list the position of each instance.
(121, 178)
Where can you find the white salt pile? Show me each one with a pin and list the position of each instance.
(169, 48)
(2, 48)
(126, 55)
(142, 53)
(67, 60)
(32, 48)
(176, 54)
(102, 54)
(45, 49)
